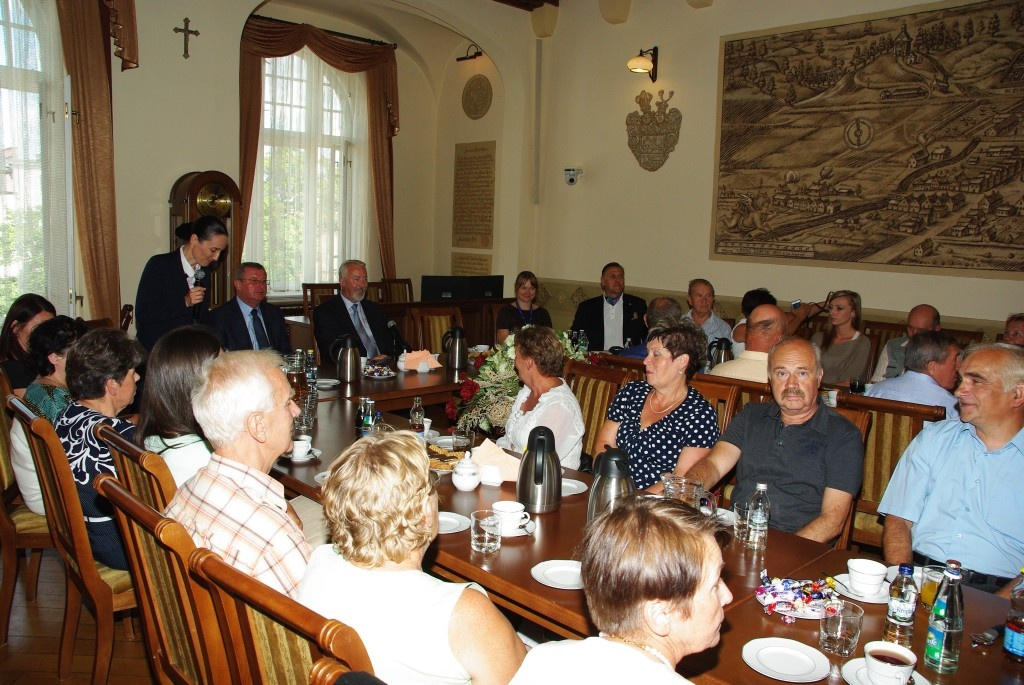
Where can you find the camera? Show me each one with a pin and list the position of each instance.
(572, 175)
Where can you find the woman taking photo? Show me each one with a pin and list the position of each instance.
(652, 575)
(522, 312)
(845, 353)
(661, 423)
(169, 294)
(545, 399)
(101, 377)
(380, 504)
(26, 312)
(166, 423)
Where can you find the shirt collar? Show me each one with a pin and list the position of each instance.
(260, 486)
(613, 300)
(818, 421)
(189, 271)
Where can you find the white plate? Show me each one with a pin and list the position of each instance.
(430, 435)
(572, 487)
(449, 522)
(855, 672)
(786, 660)
(893, 571)
(321, 477)
(314, 453)
(880, 597)
(445, 442)
(563, 574)
(327, 383)
(812, 613)
(528, 529)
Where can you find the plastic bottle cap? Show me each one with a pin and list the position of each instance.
(907, 569)
(762, 486)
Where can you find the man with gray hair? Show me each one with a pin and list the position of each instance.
(932, 360)
(350, 313)
(765, 327)
(810, 456)
(232, 506)
(956, 489)
(659, 309)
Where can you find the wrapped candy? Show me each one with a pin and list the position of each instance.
(789, 596)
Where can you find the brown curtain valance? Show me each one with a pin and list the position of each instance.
(124, 32)
(262, 38)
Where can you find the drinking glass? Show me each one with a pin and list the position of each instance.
(931, 577)
(857, 386)
(485, 531)
(462, 441)
(840, 627)
(739, 526)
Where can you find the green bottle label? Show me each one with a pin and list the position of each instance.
(933, 644)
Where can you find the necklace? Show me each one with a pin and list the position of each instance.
(645, 648)
(523, 316)
(666, 409)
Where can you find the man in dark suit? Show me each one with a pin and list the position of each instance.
(614, 318)
(248, 321)
(351, 314)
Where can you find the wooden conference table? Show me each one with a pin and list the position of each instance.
(390, 394)
(506, 574)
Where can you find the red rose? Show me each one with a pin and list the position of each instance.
(451, 410)
(479, 361)
(469, 389)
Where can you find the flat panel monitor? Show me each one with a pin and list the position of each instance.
(435, 288)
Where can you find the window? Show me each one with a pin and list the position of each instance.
(313, 192)
(35, 240)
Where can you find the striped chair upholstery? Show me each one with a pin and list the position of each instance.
(862, 420)
(595, 388)
(432, 323)
(723, 396)
(144, 473)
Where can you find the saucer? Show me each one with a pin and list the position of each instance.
(563, 574)
(855, 672)
(786, 660)
(526, 529)
(880, 597)
(314, 453)
(572, 487)
(450, 522)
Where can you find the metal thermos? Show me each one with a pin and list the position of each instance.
(720, 350)
(539, 486)
(456, 349)
(612, 482)
(345, 353)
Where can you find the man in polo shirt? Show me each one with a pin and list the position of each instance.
(613, 319)
(232, 506)
(955, 491)
(810, 456)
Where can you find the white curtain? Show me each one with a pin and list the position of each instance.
(311, 207)
(35, 243)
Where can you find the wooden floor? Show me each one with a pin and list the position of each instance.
(30, 657)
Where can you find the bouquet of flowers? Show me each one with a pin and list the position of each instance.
(485, 402)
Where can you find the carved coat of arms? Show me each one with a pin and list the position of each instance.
(652, 135)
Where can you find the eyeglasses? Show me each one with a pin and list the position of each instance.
(256, 281)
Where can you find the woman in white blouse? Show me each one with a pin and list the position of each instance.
(545, 399)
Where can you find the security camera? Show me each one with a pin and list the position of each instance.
(572, 175)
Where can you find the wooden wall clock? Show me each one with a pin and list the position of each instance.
(207, 193)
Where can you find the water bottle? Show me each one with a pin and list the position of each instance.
(946, 623)
(361, 414)
(379, 426)
(311, 372)
(899, 620)
(367, 426)
(1013, 640)
(757, 518)
(416, 416)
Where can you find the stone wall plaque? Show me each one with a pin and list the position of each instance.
(476, 96)
(473, 195)
(469, 264)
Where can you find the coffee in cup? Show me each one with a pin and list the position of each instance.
(888, 663)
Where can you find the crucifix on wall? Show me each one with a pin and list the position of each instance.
(187, 32)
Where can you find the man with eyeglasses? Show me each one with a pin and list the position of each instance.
(1014, 331)
(247, 321)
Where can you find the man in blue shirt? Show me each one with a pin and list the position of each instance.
(932, 359)
(956, 492)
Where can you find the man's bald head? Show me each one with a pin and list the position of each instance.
(923, 317)
(765, 327)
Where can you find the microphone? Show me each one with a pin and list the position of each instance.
(199, 275)
(400, 344)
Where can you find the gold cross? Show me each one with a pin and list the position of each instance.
(187, 31)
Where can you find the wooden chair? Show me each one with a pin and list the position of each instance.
(595, 388)
(273, 638)
(635, 366)
(885, 331)
(20, 528)
(315, 293)
(178, 617)
(749, 391)
(432, 323)
(108, 590)
(105, 322)
(376, 292)
(965, 337)
(862, 420)
(724, 397)
(398, 289)
(894, 424)
(144, 473)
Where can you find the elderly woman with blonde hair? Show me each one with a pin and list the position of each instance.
(380, 504)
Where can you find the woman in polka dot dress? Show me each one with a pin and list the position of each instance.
(663, 425)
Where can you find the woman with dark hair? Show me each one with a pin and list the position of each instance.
(47, 396)
(169, 294)
(845, 353)
(545, 399)
(652, 574)
(662, 423)
(101, 377)
(167, 425)
(522, 312)
(26, 312)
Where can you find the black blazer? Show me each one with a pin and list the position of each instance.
(590, 319)
(229, 324)
(332, 320)
(160, 300)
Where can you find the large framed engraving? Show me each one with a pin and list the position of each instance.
(880, 142)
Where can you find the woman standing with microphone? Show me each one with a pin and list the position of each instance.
(172, 290)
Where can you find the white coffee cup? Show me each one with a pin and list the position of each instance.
(888, 663)
(513, 516)
(832, 395)
(300, 448)
(866, 576)
(482, 348)
(426, 425)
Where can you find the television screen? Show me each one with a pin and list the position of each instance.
(434, 288)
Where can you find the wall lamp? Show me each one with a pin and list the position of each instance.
(470, 53)
(645, 63)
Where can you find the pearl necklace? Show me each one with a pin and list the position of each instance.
(667, 409)
(645, 648)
